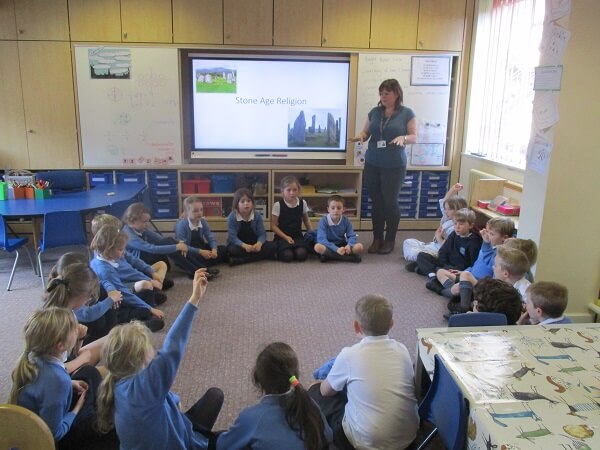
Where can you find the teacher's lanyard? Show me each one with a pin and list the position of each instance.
(383, 125)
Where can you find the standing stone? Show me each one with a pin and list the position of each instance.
(331, 130)
(299, 132)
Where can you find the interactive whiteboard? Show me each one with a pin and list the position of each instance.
(426, 84)
(128, 106)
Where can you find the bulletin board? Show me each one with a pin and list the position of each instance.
(128, 99)
(426, 84)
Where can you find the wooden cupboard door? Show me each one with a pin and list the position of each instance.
(297, 23)
(146, 21)
(198, 21)
(441, 24)
(92, 20)
(42, 20)
(49, 103)
(13, 144)
(248, 22)
(8, 27)
(346, 23)
(394, 24)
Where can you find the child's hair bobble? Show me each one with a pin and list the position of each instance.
(294, 381)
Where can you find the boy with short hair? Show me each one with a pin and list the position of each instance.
(336, 238)
(368, 396)
(493, 295)
(511, 265)
(460, 249)
(453, 283)
(527, 246)
(545, 303)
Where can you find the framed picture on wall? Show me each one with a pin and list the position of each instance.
(427, 154)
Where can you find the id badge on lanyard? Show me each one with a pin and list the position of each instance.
(381, 143)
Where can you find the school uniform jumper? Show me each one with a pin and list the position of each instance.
(263, 427)
(335, 235)
(199, 238)
(484, 264)
(251, 231)
(458, 253)
(147, 414)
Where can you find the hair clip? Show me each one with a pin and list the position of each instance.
(294, 381)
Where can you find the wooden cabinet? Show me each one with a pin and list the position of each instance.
(297, 23)
(198, 21)
(42, 20)
(320, 184)
(13, 144)
(346, 23)
(49, 104)
(394, 24)
(248, 22)
(441, 24)
(146, 21)
(8, 28)
(92, 20)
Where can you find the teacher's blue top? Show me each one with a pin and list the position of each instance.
(391, 156)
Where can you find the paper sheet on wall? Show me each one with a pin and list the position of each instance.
(558, 9)
(545, 110)
(553, 45)
(359, 154)
(538, 154)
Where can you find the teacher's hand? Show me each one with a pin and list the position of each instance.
(399, 140)
(362, 137)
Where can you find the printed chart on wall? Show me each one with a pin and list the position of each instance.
(128, 106)
(425, 82)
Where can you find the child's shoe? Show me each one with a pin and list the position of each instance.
(435, 286)
(154, 324)
(167, 284)
(410, 266)
(354, 258)
(159, 298)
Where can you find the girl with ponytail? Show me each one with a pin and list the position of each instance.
(286, 416)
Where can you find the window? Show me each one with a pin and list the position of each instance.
(505, 52)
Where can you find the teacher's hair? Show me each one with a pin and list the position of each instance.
(393, 86)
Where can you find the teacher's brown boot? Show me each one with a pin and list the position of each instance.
(375, 246)
(386, 247)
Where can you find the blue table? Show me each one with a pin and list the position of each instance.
(97, 198)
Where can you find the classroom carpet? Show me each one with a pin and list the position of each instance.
(309, 305)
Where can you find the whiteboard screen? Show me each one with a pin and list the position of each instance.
(128, 106)
(429, 103)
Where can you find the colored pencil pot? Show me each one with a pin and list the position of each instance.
(29, 192)
(41, 194)
(18, 192)
(3, 190)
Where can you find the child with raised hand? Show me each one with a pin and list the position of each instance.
(150, 245)
(42, 385)
(156, 271)
(287, 218)
(135, 396)
(286, 417)
(193, 230)
(109, 246)
(336, 238)
(448, 205)
(246, 235)
(545, 304)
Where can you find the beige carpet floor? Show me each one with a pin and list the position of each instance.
(308, 305)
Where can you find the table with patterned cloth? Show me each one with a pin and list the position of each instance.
(529, 387)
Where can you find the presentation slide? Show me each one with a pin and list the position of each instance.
(282, 105)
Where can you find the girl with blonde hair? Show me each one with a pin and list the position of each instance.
(42, 385)
(136, 396)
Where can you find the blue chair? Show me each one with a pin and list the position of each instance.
(12, 245)
(446, 408)
(61, 229)
(477, 319)
(64, 180)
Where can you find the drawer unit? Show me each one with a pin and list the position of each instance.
(164, 193)
(99, 178)
(162, 175)
(131, 177)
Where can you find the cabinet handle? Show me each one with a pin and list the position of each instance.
(21, 31)
(421, 44)
(125, 35)
(228, 36)
(30, 131)
(324, 40)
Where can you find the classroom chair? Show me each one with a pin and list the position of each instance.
(477, 319)
(12, 245)
(23, 429)
(446, 408)
(61, 229)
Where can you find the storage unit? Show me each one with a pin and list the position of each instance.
(434, 186)
(99, 178)
(164, 194)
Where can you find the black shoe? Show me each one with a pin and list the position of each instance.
(355, 258)
(386, 247)
(435, 286)
(454, 306)
(155, 324)
(411, 266)
(235, 261)
(323, 258)
(167, 284)
(213, 271)
(159, 298)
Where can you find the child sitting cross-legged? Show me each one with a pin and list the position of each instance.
(369, 396)
(460, 250)
(545, 303)
(286, 417)
(336, 238)
(492, 295)
(527, 246)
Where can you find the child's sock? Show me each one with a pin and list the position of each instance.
(448, 283)
(466, 293)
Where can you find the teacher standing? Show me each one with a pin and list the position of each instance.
(390, 126)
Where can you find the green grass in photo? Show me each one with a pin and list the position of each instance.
(218, 86)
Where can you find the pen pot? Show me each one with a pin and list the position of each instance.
(18, 192)
(29, 192)
(41, 194)
(3, 190)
